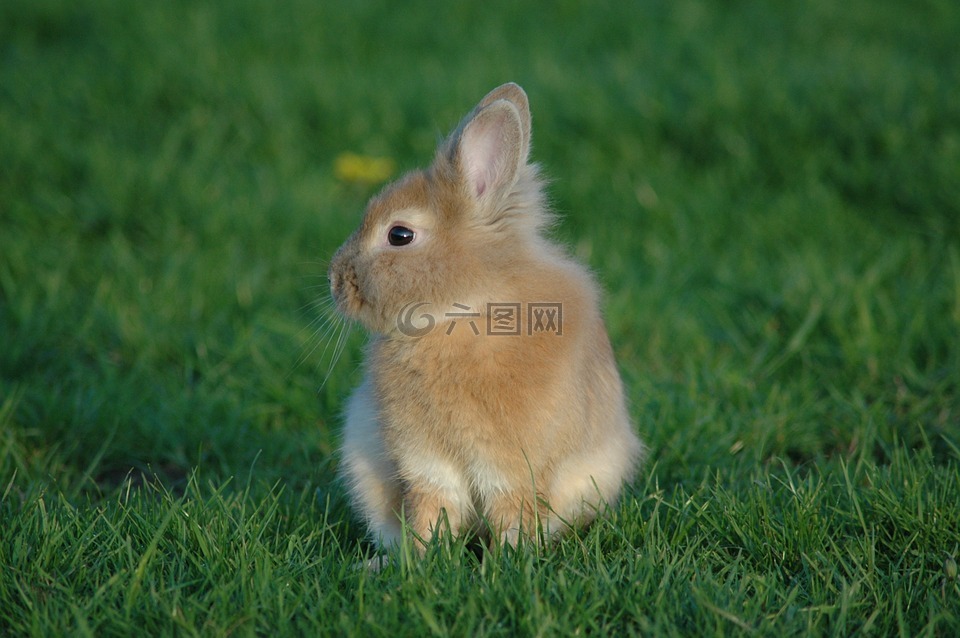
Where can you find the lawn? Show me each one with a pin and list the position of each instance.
(769, 193)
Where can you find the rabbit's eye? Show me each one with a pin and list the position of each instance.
(400, 236)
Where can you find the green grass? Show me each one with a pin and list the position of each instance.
(770, 193)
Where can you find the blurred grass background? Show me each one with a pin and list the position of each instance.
(770, 193)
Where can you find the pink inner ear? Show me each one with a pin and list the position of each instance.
(481, 148)
(480, 181)
(487, 150)
(479, 187)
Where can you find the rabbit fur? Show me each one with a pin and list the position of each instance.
(454, 426)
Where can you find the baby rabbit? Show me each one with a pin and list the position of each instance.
(490, 401)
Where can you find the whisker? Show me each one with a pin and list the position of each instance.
(318, 305)
(326, 335)
(323, 286)
(322, 264)
(341, 345)
(323, 278)
(338, 324)
(326, 326)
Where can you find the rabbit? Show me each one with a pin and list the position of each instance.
(490, 401)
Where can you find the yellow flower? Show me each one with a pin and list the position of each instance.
(362, 169)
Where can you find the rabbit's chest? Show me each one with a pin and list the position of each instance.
(470, 399)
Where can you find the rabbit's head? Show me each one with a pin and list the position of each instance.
(456, 233)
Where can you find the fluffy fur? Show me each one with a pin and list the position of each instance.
(507, 435)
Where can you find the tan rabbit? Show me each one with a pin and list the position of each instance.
(490, 400)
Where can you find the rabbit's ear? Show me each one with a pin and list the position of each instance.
(491, 149)
(515, 95)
